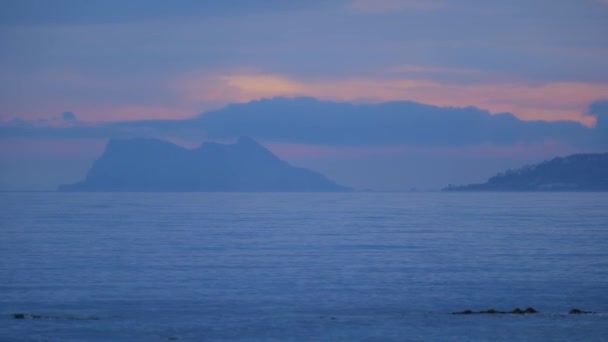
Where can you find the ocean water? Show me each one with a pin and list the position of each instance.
(309, 267)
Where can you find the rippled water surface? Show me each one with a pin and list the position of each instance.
(355, 266)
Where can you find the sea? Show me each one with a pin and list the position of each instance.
(358, 266)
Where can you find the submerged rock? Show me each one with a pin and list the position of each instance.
(491, 312)
(516, 311)
(465, 312)
(576, 311)
(66, 317)
(26, 316)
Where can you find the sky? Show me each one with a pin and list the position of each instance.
(495, 84)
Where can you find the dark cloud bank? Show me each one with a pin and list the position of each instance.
(309, 121)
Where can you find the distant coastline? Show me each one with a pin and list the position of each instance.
(574, 173)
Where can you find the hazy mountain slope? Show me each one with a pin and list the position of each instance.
(578, 172)
(155, 165)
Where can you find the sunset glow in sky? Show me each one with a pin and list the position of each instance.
(113, 60)
(116, 60)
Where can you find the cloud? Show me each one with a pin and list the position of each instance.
(308, 121)
(598, 108)
(68, 116)
(546, 101)
(250, 85)
(390, 6)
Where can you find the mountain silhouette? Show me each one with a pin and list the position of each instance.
(577, 172)
(155, 165)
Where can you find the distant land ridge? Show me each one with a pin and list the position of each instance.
(577, 172)
(155, 165)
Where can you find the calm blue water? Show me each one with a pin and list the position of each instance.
(358, 266)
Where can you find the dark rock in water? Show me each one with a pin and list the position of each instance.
(67, 317)
(28, 316)
(465, 312)
(517, 311)
(491, 312)
(471, 312)
(579, 312)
